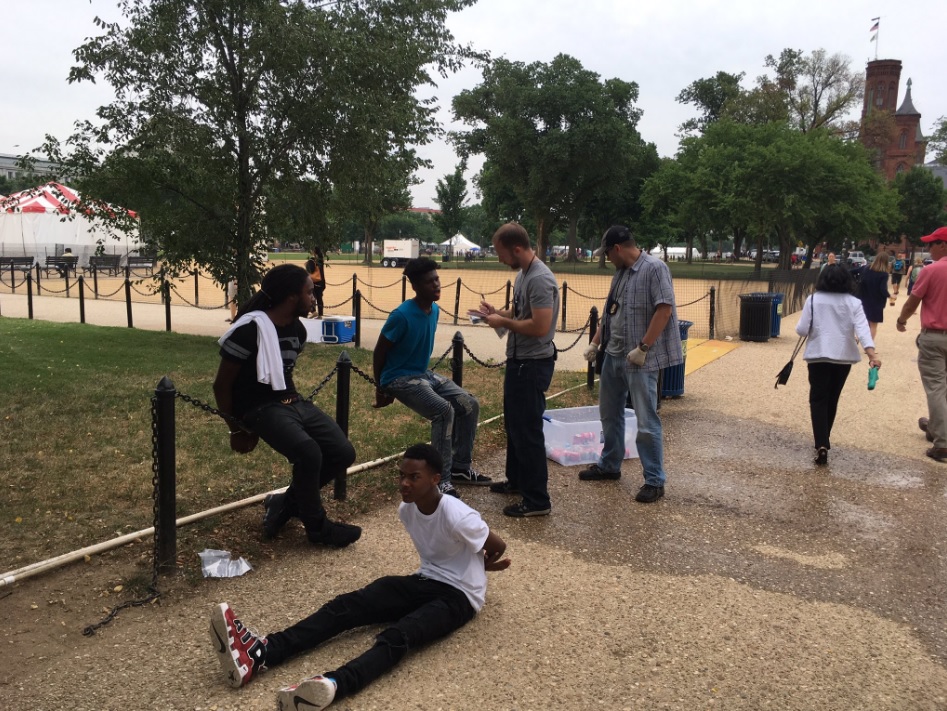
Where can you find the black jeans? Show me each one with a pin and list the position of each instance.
(422, 610)
(318, 290)
(313, 443)
(826, 381)
(524, 402)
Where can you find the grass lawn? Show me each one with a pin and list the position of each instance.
(76, 460)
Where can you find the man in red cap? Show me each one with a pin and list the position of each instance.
(930, 292)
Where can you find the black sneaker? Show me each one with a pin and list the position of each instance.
(503, 487)
(276, 514)
(337, 535)
(648, 494)
(523, 510)
(448, 488)
(596, 473)
(470, 476)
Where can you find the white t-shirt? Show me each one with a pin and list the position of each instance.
(449, 542)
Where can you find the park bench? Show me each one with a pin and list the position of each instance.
(146, 264)
(24, 264)
(61, 265)
(108, 263)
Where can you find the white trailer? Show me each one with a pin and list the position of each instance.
(397, 252)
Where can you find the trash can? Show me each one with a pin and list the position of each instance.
(756, 316)
(777, 313)
(672, 377)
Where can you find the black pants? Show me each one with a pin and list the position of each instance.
(421, 610)
(524, 402)
(318, 290)
(313, 443)
(826, 381)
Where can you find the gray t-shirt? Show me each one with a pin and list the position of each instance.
(535, 288)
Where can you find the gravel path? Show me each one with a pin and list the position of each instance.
(760, 581)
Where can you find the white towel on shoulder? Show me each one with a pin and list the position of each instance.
(269, 358)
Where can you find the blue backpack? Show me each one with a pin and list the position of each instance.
(898, 265)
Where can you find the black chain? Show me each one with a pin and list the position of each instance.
(705, 296)
(12, 284)
(153, 592)
(441, 359)
(358, 371)
(174, 288)
(206, 408)
(321, 385)
(137, 291)
(120, 287)
(580, 329)
(578, 338)
(53, 291)
(374, 286)
(480, 362)
(335, 306)
(590, 298)
(377, 308)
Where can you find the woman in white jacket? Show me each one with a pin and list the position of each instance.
(832, 317)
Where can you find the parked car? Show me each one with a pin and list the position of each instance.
(771, 256)
(856, 260)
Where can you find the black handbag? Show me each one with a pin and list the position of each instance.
(782, 377)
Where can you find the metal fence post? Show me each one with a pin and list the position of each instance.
(404, 289)
(358, 318)
(354, 291)
(593, 329)
(343, 395)
(197, 301)
(565, 299)
(509, 288)
(39, 281)
(166, 289)
(457, 360)
(95, 282)
(166, 511)
(457, 302)
(81, 300)
(29, 294)
(128, 301)
(713, 312)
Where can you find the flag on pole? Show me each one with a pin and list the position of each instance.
(875, 18)
(873, 37)
(874, 27)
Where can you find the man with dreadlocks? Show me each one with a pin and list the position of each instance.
(254, 384)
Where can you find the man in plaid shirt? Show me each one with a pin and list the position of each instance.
(640, 336)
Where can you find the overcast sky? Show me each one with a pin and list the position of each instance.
(663, 46)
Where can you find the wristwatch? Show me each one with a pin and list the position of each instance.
(644, 347)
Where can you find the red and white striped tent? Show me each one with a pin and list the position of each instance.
(43, 221)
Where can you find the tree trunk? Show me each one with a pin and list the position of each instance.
(572, 239)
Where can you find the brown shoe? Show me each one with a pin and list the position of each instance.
(938, 454)
(922, 422)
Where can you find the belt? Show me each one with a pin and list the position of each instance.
(938, 331)
(291, 399)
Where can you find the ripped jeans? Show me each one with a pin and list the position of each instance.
(453, 413)
(421, 610)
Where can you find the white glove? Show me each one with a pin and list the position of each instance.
(636, 357)
(590, 352)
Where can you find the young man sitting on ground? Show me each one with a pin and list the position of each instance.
(456, 549)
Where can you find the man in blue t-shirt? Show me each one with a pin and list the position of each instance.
(401, 360)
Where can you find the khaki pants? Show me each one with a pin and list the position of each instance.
(932, 365)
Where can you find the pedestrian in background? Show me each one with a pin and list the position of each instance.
(873, 290)
(832, 317)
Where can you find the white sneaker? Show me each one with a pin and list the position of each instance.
(310, 694)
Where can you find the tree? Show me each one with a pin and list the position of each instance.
(451, 192)
(711, 97)
(938, 141)
(552, 134)
(819, 89)
(222, 105)
(921, 201)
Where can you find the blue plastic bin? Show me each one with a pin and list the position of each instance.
(673, 376)
(777, 316)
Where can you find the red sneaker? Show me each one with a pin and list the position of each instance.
(241, 652)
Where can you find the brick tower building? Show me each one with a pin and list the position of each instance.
(905, 145)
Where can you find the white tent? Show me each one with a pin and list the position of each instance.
(41, 222)
(459, 243)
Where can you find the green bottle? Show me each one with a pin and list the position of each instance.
(872, 377)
